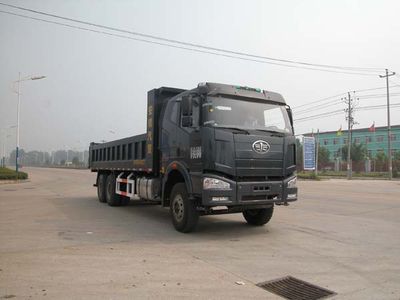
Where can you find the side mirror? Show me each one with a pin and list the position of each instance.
(186, 104)
(187, 121)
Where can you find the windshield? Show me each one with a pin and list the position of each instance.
(226, 112)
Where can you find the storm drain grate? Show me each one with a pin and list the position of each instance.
(295, 289)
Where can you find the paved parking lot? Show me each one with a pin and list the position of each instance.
(58, 242)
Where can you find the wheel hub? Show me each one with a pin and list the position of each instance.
(178, 208)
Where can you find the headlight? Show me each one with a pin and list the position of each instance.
(213, 183)
(292, 183)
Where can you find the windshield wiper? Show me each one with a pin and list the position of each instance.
(234, 128)
(271, 131)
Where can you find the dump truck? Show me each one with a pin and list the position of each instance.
(214, 149)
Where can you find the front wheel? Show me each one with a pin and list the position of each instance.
(258, 217)
(183, 210)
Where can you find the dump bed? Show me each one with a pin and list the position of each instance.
(139, 152)
(124, 154)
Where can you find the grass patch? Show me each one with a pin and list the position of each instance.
(307, 175)
(354, 174)
(8, 174)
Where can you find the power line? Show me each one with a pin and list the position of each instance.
(377, 106)
(339, 111)
(190, 44)
(320, 115)
(317, 101)
(309, 66)
(337, 95)
(322, 106)
(368, 97)
(337, 101)
(153, 42)
(378, 88)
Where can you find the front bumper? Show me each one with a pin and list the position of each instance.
(249, 193)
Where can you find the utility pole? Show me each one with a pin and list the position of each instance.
(316, 153)
(350, 122)
(388, 122)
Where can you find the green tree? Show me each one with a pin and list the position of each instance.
(396, 164)
(323, 156)
(380, 161)
(358, 152)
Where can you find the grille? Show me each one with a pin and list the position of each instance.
(254, 197)
(295, 289)
(259, 178)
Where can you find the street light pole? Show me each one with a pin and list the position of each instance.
(17, 145)
(18, 112)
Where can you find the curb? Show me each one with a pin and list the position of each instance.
(6, 181)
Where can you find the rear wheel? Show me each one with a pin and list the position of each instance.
(258, 217)
(112, 198)
(183, 210)
(101, 187)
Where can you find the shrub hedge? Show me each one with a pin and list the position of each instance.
(8, 174)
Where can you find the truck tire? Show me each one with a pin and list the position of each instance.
(112, 198)
(101, 187)
(258, 217)
(183, 210)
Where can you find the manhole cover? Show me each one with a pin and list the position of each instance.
(295, 289)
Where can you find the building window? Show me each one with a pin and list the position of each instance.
(336, 141)
(136, 150)
(344, 140)
(392, 137)
(379, 138)
(143, 149)
(118, 152)
(326, 142)
(123, 152)
(357, 140)
(368, 139)
(130, 151)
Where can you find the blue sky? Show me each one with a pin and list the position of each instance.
(96, 85)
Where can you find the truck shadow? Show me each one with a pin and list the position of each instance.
(141, 219)
(230, 226)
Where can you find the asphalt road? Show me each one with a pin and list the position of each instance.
(58, 242)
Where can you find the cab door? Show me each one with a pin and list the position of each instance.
(170, 127)
(189, 149)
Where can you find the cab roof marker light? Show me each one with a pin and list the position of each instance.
(248, 88)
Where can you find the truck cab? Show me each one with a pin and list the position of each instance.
(235, 144)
